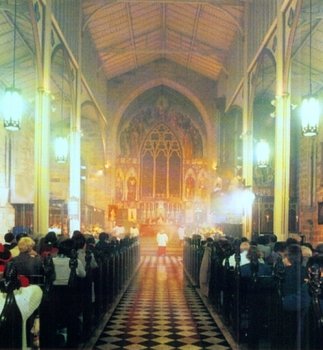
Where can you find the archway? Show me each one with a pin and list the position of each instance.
(161, 156)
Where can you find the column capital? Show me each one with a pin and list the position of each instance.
(282, 95)
(44, 91)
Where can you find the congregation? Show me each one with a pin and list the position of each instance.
(74, 280)
(266, 291)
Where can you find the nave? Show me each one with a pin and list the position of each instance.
(160, 310)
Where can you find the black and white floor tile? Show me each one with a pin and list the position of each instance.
(161, 311)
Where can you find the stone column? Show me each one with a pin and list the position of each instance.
(74, 208)
(247, 132)
(42, 125)
(282, 136)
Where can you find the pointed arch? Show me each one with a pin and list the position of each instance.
(161, 164)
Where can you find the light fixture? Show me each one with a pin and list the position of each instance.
(12, 103)
(247, 197)
(61, 149)
(262, 154)
(61, 144)
(310, 108)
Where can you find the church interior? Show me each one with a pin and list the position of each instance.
(198, 119)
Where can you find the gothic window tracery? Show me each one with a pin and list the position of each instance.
(161, 164)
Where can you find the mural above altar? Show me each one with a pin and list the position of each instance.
(161, 170)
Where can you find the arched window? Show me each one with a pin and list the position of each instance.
(161, 164)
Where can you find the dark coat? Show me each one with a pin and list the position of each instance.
(28, 265)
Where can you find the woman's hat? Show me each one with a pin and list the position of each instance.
(5, 254)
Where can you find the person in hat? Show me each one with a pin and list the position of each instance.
(5, 257)
(11, 244)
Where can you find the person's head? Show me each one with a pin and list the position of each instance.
(319, 248)
(90, 240)
(316, 261)
(51, 238)
(9, 237)
(291, 240)
(309, 245)
(76, 233)
(253, 253)
(263, 240)
(306, 252)
(293, 254)
(79, 241)
(225, 247)
(20, 235)
(65, 247)
(26, 245)
(280, 247)
(244, 246)
(103, 236)
(5, 255)
(273, 238)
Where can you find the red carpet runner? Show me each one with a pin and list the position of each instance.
(161, 311)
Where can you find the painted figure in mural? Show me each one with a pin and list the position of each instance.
(124, 142)
(134, 141)
(190, 187)
(119, 187)
(132, 187)
(202, 186)
(187, 146)
(197, 142)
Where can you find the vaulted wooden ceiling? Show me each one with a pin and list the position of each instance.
(128, 34)
(195, 34)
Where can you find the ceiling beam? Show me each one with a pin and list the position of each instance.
(163, 29)
(10, 20)
(302, 43)
(131, 33)
(147, 51)
(196, 2)
(208, 51)
(5, 6)
(107, 3)
(194, 34)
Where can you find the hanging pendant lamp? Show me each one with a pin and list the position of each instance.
(12, 102)
(310, 107)
(61, 142)
(262, 154)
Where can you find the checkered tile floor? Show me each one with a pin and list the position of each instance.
(161, 311)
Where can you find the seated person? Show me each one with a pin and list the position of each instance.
(48, 245)
(244, 248)
(256, 265)
(102, 246)
(66, 293)
(61, 263)
(10, 240)
(80, 246)
(17, 304)
(313, 329)
(295, 300)
(28, 262)
(11, 244)
(5, 257)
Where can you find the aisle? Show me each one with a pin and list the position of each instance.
(161, 311)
